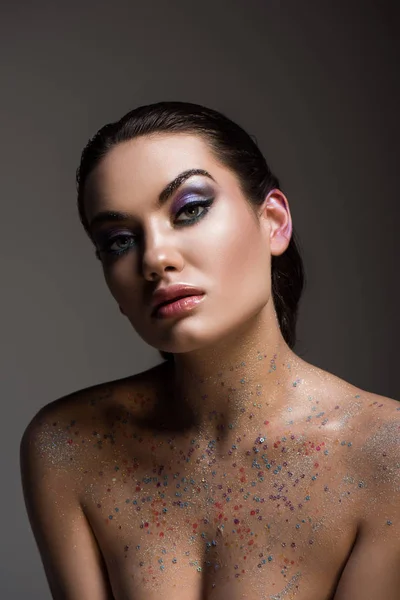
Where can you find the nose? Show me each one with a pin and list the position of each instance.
(160, 255)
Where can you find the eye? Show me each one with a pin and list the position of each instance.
(122, 242)
(119, 240)
(193, 208)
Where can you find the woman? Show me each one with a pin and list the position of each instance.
(234, 469)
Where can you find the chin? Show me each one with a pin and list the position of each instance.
(183, 346)
(180, 340)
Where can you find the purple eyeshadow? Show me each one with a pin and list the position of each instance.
(190, 194)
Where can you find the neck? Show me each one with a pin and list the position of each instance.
(240, 382)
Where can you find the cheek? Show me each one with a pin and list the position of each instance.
(121, 284)
(240, 259)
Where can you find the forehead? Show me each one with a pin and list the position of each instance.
(140, 168)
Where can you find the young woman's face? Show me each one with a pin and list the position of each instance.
(204, 234)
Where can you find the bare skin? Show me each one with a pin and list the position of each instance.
(239, 471)
(157, 507)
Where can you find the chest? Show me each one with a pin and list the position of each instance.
(182, 519)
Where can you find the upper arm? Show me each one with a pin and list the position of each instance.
(373, 569)
(71, 558)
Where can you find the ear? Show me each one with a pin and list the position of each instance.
(276, 216)
(122, 311)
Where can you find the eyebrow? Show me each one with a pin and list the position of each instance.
(108, 215)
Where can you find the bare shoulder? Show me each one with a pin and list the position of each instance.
(379, 443)
(56, 419)
(66, 422)
(364, 425)
(367, 425)
(373, 421)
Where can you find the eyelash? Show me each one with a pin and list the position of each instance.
(106, 245)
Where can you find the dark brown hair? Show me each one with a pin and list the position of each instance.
(231, 146)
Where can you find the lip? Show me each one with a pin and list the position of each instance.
(173, 292)
(178, 307)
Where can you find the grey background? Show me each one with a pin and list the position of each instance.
(314, 81)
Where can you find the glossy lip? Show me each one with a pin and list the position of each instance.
(173, 292)
(178, 307)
